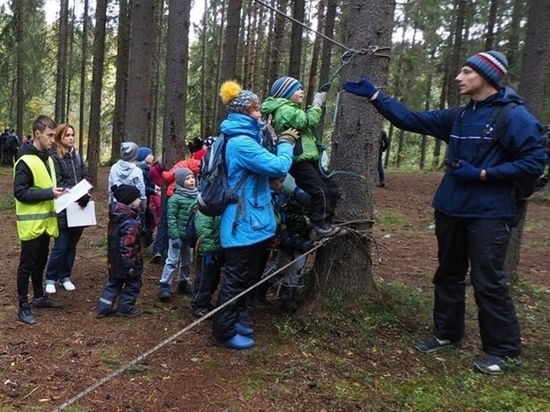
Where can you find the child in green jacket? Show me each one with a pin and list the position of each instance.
(284, 104)
(180, 255)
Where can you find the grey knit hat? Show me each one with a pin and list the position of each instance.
(129, 151)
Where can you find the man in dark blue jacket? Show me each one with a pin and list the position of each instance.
(474, 203)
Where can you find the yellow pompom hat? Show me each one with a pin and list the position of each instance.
(236, 99)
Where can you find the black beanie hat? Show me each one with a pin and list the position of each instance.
(125, 193)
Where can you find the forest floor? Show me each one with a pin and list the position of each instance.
(351, 356)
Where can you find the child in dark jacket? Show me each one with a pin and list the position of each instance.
(123, 254)
(209, 263)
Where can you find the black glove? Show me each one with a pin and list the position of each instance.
(83, 201)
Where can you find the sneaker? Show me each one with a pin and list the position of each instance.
(243, 330)
(184, 287)
(68, 285)
(433, 344)
(132, 313)
(496, 365)
(164, 292)
(156, 259)
(238, 342)
(200, 312)
(324, 230)
(45, 302)
(25, 314)
(50, 289)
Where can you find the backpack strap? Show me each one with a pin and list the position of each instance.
(499, 114)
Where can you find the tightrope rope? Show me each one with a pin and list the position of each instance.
(139, 358)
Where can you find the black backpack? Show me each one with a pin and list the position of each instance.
(191, 236)
(215, 193)
(525, 186)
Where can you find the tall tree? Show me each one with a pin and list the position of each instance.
(344, 267)
(83, 74)
(138, 118)
(94, 135)
(19, 15)
(315, 57)
(62, 47)
(230, 47)
(278, 38)
(176, 81)
(296, 40)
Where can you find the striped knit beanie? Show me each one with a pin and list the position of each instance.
(491, 65)
(285, 87)
(236, 99)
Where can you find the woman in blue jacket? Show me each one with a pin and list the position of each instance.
(248, 224)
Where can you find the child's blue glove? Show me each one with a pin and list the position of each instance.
(466, 172)
(363, 87)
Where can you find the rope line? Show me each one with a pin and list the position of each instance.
(139, 358)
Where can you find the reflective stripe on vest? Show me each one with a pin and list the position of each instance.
(33, 219)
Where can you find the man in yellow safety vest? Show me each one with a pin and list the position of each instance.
(35, 188)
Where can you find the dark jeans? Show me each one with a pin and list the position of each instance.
(207, 277)
(323, 191)
(63, 254)
(34, 255)
(161, 241)
(381, 173)
(127, 292)
(483, 243)
(242, 265)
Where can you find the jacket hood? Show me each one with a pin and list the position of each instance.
(124, 168)
(271, 104)
(240, 124)
(29, 148)
(119, 212)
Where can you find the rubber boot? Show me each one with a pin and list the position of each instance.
(286, 296)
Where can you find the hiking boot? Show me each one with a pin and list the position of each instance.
(103, 315)
(496, 365)
(185, 288)
(200, 312)
(238, 342)
(25, 314)
(433, 344)
(286, 296)
(45, 302)
(318, 232)
(243, 330)
(132, 313)
(164, 292)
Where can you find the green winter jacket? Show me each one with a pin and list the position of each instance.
(179, 207)
(288, 114)
(208, 233)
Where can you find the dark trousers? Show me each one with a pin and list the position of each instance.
(381, 173)
(63, 254)
(127, 292)
(207, 277)
(34, 255)
(323, 191)
(161, 241)
(483, 244)
(242, 265)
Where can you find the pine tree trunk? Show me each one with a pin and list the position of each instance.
(490, 30)
(176, 81)
(295, 63)
(61, 72)
(311, 90)
(138, 118)
(121, 84)
(344, 266)
(83, 71)
(19, 15)
(94, 137)
(278, 38)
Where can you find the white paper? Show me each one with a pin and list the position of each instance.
(72, 195)
(76, 216)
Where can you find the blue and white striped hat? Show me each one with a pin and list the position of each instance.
(491, 65)
(285, 87)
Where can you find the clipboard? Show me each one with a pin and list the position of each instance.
(77, 217)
